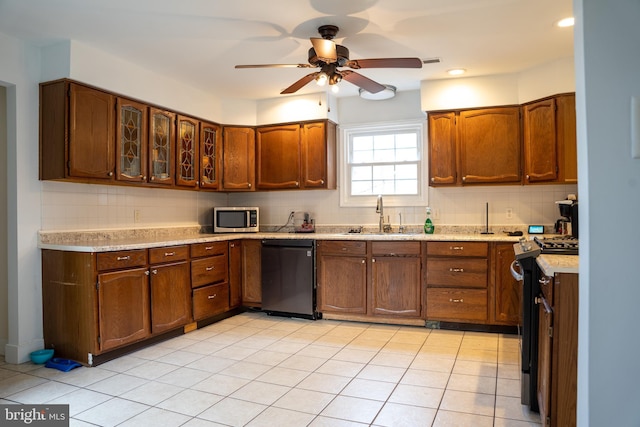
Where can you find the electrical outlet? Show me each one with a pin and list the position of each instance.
(136, 215)
(509, 213)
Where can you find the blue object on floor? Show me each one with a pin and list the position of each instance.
(64, 365)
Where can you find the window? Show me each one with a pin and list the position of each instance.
(383, 159)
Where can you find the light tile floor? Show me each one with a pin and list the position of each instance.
(257, 370)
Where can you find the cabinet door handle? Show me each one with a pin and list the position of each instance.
(545, 280)
(322, 181)
(169, 253)
(456, 300)
(123, 258)
(154, 271)
(456, 248)
(209, 268)
(146, 272)
(456, 270)
(110, 173)
(249, 185)
(373, 260)
(144, 178)
(212, 296)
(232, 245)
(363, 261)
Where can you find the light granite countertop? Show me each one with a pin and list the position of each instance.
(553, 264)
(118, 240)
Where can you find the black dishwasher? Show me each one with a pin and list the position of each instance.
(289, 278)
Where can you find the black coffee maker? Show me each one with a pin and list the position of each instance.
(568, 224)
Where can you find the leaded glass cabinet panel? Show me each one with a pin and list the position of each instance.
(187, 154)
(161, 146)
(210, 155)
(131, 148)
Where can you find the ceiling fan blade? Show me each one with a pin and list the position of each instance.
(299, 84)
(276, 66)
(364, 82)
(325, 49)
(385, 63)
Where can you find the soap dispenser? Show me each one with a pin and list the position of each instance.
(428, 224)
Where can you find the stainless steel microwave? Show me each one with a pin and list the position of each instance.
(236, 219)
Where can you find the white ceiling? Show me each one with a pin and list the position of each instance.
(200, 41)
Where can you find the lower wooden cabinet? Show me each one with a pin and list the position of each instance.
(170, 296)
(235, 273)
(123, 307)
(251, 273)
(210, 300)
(457, 281)
(558, 350)
(457, 305)
(507, 291)
(370, 279)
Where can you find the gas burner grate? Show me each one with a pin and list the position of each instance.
(559, 245)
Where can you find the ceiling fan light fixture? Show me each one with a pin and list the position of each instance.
(387, 93)
(321, 79)
(456, 71)
(335, 88)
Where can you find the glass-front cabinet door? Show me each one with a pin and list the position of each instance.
(210, 155)
(161, 146)
(187, 153)
(131, 134)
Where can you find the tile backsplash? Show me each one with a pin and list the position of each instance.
(71, 206)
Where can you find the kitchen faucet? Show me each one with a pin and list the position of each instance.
(382, 227)
(380, 210)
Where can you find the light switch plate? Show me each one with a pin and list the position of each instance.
(635, 127)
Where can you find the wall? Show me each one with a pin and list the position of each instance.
(609, 183)
(4, 283)
(20, 73)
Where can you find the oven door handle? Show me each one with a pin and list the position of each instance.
(542, 300)
(516, 275)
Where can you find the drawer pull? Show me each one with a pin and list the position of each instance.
(457, 270)
(212, 296)
(456, 248)
(123, 258)
(208, 248)
(169, 253)
(343, 249)
(209, 268)
(456, 300)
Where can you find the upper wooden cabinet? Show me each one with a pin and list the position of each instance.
(76, 132)
(494, 145)
(162, 144)
(210, 155)
(297, 155)
(238, 157)
(187, 152)
(549, 128)
(442, 148)
(319, 155)
(278, 156)
(490, 145)
(131, 136)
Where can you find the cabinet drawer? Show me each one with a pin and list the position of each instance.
(478, 249)
(210, 300)
(457, 305)
(209, 270)
(121, 259)
(395, 248)
(457, 272)
(168, 254)
(209, 249)
(342, 247)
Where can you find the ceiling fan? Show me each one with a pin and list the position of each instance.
(328, 56)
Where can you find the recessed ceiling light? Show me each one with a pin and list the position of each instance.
(456, 71)
(566, 22)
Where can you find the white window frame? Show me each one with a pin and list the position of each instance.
(348, 131)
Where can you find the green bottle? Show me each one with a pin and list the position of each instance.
(428, 224)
